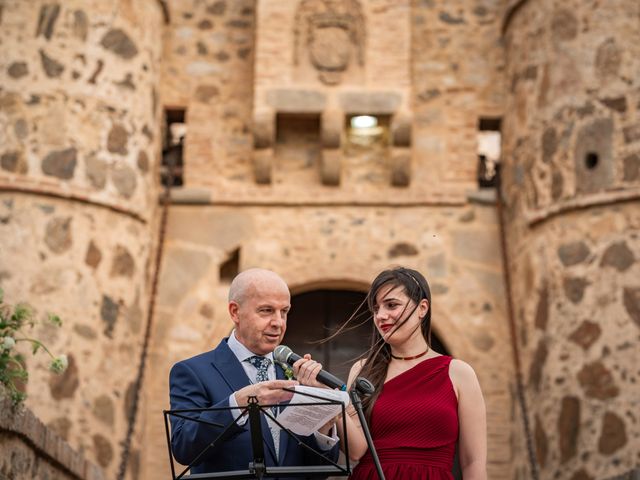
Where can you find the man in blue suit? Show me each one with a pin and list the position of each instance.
(242, 366)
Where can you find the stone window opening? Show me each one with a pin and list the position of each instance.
(175, 130)
(365, 131)
(489, 151)
(298, 128)
(230, 267)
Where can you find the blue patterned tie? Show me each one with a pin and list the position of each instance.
(262, 365)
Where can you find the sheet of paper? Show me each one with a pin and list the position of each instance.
(306, 419)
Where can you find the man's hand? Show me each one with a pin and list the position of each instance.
(306, 370)
(267, 393)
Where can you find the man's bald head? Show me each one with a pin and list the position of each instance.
(251, 280)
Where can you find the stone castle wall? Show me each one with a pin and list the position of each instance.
(571, 183)
(79, 149)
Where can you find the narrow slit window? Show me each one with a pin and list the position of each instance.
(489, 151)
(171, 169)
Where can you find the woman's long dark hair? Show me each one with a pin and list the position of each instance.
(377, 358)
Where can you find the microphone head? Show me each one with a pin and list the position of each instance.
(281, 353)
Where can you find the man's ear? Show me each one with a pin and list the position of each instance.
(233, 308)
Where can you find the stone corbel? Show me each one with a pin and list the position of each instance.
(401, 149)
(264, 134)
(331, 138)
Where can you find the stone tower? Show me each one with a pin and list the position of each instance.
(80, 144)
(571, 151)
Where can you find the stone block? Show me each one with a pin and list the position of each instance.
(593, 158)
(401, 129)
(477, 246)
(613, 434)
(262, 165)
(400, 167)
(331, 167)
(569, 427)
(296, 100)
(125, 180)
(221, 229)
(52, 68)
(118, 42)
(47, 20)
(332, 125)
(182, 269)
(264, 128)
(60, 163)
(380, 103)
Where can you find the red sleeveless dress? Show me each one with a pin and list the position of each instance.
(414, 425)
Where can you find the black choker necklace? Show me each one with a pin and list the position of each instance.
(411, 358)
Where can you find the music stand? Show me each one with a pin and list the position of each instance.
(257, 468)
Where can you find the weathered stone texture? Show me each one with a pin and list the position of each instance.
(569, 427)
(631, 300)
(103, 450)
(117, 140)
(573, 253)
(618, 256)
(569, 148)
(597, 381)
(118, 41)
(60, 163)
(613, 435)
(123, 263)
(18, 69)
(13, 162)
(66, 384)
(58, 234)
(109, 313)
(47, 20)
(586, 334)
(93, 256)
(103, 410)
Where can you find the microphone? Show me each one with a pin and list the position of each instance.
(284, 354)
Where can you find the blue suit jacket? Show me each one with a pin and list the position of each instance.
(207, 380)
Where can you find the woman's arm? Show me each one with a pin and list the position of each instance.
(472, 419)
(355, 435)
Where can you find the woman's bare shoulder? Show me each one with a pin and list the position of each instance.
(461, 373)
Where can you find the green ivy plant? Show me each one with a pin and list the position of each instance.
(14, 320)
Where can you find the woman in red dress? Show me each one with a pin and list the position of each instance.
(424, 402)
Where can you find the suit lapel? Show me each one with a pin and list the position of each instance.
(228, 366)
